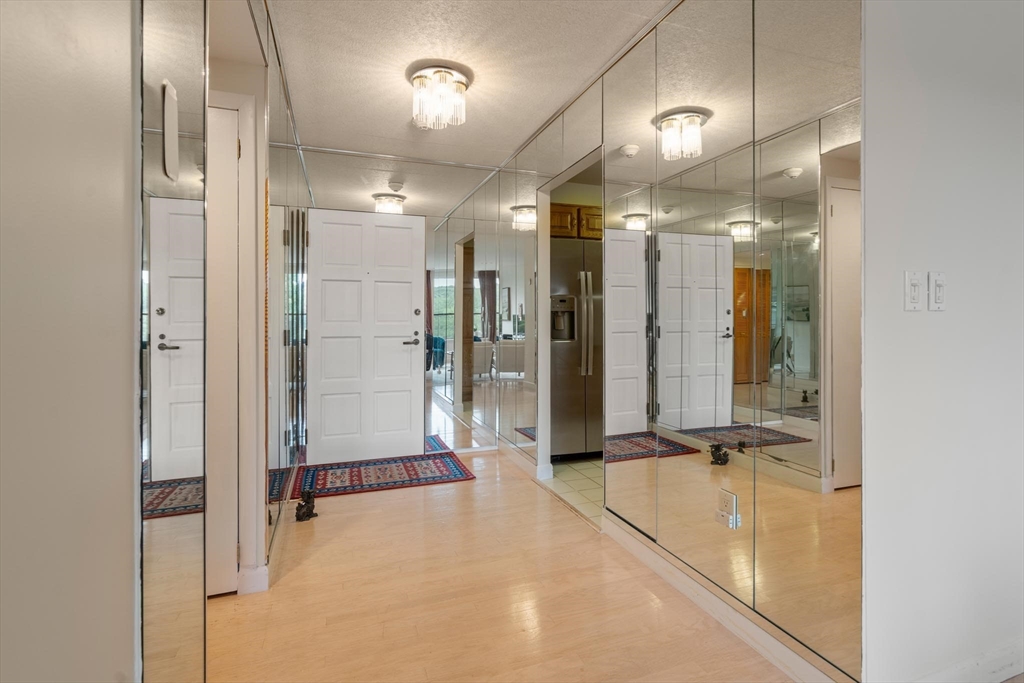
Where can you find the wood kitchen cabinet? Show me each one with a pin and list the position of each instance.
(569, 220)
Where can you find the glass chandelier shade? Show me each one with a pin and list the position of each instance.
(680, 136)
(636, 221)
(524, 216)
(438, 98)
(742, 231)
(388, 203)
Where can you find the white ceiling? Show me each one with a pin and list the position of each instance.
(346, 64)
(232, 33)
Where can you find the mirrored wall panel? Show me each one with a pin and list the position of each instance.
(172, 345)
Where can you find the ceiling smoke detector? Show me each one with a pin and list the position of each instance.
(629, 151)
(792, 173)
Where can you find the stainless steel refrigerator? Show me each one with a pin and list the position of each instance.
(577, 348)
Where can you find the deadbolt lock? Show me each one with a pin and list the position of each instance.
(417, 311)
(160, 311)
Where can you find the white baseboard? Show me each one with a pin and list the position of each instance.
(776, 652)
(996, 665)
(253, 579)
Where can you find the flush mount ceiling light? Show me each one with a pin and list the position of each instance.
(680, 134)
(439, 97)
(524, 216)
(636, 221)
(742, 231)
(629, 151)
(792, 173)
(388, 203)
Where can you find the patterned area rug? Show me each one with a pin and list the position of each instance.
(804, 412)
(642, 445)
(276, 480)
(434, 444)
(731, 436)
(373, 475)
(172, 497)
(529, 432)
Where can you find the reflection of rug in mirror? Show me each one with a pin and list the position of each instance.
(434, 444)
(275, 484)
(374, 475)
(642, 445)
(803, 412)
(145, 470)
(172, 497)
(529, 432)
(731, 436)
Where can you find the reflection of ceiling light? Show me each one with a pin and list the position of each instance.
(629, 151)
(438, 98)
(776, 220)
(636, 221)
(792, 173)
(680, 135)
(524, 216)
(388, 203)
(815, 244)
(742, 231)
(666, 210)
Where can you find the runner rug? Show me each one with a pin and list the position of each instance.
(748, 434)
(529, 432)
(172, 497)
(434, 444)
(642, 445)
(276, 480)
(373, 475)
(804, 412)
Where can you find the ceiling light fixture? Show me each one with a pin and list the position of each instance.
(388, 203)
(524, 216)
(439, 98)
(636, 221)
(680, 135)
(742, 231)
(792, 173)
(629, 151)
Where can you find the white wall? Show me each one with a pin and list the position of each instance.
(943, 449)
(69, 310)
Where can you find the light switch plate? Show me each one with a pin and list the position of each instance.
(936, 291)
(913, 290)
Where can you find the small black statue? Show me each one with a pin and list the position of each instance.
(805, 398)
(719, 456)
(304, 510)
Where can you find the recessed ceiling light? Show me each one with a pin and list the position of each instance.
(388, 203)
(680, 134)
(636, 221)
(792, 173)
(439, 97)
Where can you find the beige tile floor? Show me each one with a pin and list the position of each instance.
(581, 484)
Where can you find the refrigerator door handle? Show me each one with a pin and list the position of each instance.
(590, 323)
(585, 339)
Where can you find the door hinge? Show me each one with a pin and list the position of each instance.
(238, 553)
(286, 338)
(287, 238)
(659, 256)
(307, 237)
(659, 331)
(657, 408)
(648, 409)
(645, 254)
(239, 149)
(831, 210)
(287, 437)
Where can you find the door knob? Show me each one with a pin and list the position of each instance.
(165, 347)
(414, 342)
(727, 335)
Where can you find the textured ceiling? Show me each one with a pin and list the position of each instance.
(346, 65)
(232, 33)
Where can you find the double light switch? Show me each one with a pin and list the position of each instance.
(916, 289)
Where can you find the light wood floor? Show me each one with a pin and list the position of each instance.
(489, 580)
(806, 574)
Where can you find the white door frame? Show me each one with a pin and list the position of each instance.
(236, 464)
(830, 246)
(365, 293)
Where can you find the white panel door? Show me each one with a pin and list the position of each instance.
(626, 332)
(365, 290)
(695, 340)
(177, 251)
